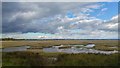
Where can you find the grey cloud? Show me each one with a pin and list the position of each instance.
(111, 25)
(17, 16)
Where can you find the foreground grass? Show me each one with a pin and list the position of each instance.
(22, 59)
(87, 60)
(43, 59)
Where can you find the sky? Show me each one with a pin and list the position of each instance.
(60, 0)
(60, 20)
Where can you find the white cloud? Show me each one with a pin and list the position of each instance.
(114, 17)
(112, 25)
(94, 6)
(90, 8)
(60, 28)
(40, 37)
(104, 9)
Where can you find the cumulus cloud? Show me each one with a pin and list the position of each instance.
(115, 17)
(111, 25)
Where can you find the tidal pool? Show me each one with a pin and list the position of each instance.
(74, 49)
(13, 49)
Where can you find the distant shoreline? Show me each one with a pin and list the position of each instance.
(50, 39)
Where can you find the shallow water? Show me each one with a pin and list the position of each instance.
(77, 50)
(13, 49)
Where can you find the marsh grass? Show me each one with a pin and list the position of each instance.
(106, 47)
(45, 43)
(87, 60)
(63, 59)
(22, 59)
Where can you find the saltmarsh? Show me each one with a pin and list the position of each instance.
(36, 57)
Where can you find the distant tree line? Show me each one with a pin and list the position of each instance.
(7, 39)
